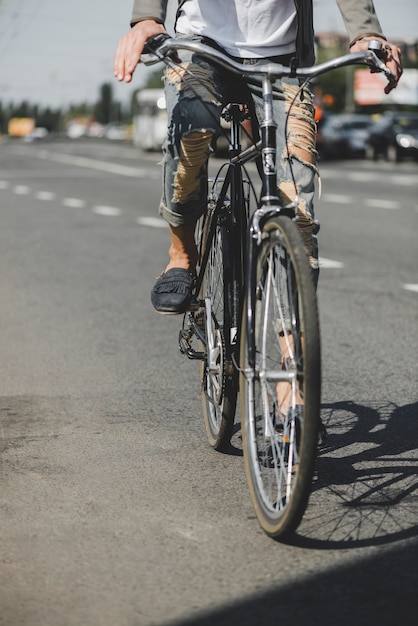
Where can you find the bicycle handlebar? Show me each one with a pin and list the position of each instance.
(158, 47)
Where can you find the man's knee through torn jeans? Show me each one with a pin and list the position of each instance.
(195, 93)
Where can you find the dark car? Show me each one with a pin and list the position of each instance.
(394, 137)
(343, 135)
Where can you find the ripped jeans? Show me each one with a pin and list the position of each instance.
(194, 104)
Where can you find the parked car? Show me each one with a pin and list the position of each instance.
(115, 132)
(394, 137)
(39, 132)
(343, 135)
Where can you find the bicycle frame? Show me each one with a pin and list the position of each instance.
(259, 260)
(246, 236)
(231, 210)
(162, 46)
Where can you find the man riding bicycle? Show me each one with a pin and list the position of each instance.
(249, 31)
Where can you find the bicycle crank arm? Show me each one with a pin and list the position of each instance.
(185, 346)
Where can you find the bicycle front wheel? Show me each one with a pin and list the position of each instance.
(219, 377)
(280, 391)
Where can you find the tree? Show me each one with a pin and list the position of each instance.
(154, 80)
(104, 107)
(333, 85)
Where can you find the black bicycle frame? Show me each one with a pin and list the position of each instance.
(269, 206)
(243, 246)
(230, 213)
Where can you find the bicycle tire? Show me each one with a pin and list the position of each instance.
(219, 377)
(280, 449)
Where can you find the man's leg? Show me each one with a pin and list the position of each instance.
(182, 251)
(194, 107)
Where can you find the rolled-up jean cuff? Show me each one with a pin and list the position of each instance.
(178, 219)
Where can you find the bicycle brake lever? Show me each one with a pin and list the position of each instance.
(378, 64)
(376, 46)
(154, 51)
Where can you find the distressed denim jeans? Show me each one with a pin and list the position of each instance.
(196, 92)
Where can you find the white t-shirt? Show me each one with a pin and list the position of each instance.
(245, 28)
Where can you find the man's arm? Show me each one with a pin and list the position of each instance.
(149, 9)
(360, 18)
(147, 19)
(362, 25)
(130, 47)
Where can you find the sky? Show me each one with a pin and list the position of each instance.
(54, 53)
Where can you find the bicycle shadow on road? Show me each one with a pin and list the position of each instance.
(366, 489)
(373, 590)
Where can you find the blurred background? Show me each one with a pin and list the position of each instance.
(114, 511)
(56, 79)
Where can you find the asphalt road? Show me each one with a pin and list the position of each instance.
(114, 510)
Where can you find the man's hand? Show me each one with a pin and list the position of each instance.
(130, 47)
(393, 57)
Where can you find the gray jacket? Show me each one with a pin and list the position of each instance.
(359, 17)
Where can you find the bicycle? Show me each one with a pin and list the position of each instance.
(253, 323)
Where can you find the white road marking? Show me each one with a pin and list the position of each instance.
(404, 179)
(378, 203)
(21, 190)
(154, 222)
(407, 180)
(107, 211)
(358, 176)
(330, 264)
(102, 166)
(74, 203)
(411, 287)
(336, 198)
(4, 184)
(45, 195)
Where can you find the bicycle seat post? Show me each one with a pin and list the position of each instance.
(235, 117)
(269, 150)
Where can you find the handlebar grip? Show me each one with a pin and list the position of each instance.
(152, 52)
(377, 47)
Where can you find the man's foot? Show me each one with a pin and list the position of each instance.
(172, 291)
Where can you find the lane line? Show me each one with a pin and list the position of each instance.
(45, 195)
(358, 177)
(153, 222)
(411, 287)
(407, 180)
(107, 211)
(74, 203)
(331, 264)
(336, 198)
(102, 166)
(377, 203)
(21, 190)
(404, 179)
(4, 184)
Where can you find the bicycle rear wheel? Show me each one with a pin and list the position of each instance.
(280, 395)
(219, 377)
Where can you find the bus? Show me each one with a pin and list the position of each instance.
(150, 119)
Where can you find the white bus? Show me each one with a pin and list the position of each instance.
(150, 119)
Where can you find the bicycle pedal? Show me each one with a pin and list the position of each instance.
(194, 305)
(184, 341)
(185, 346)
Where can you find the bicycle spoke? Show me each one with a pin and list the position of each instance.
(279, 412)
(219, 391)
